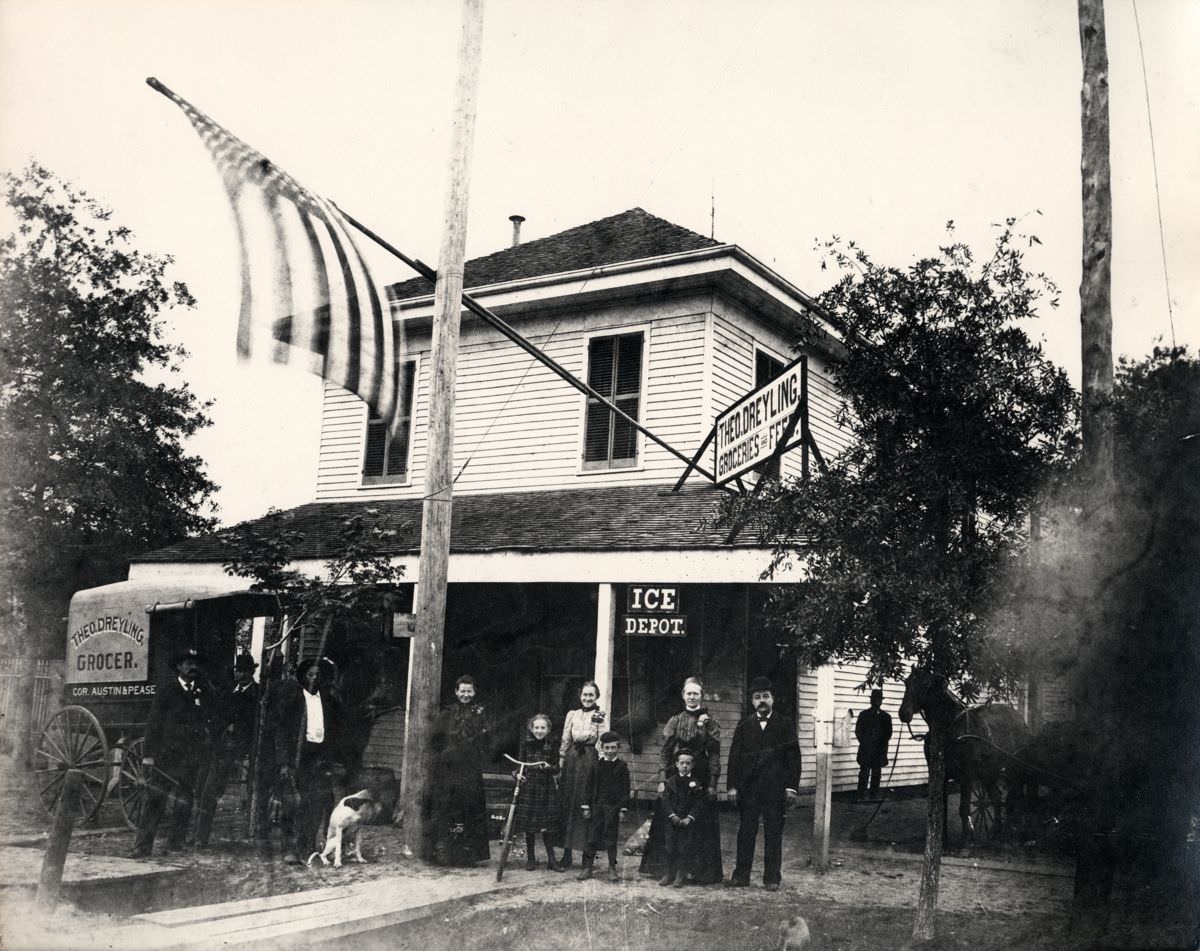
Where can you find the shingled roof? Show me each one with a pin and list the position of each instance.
(629, 236)
(608, 518)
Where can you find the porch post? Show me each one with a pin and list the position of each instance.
(408, 689)
(258, 631)
(823, 714)
(606, 623)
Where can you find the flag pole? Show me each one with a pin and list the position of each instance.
(425, 681)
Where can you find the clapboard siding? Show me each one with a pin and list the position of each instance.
(386, 745)
(909, 762)
(518, 424)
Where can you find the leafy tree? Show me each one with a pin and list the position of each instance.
(955, 419)
(92, 449)
(1113, 604)
(358, 581)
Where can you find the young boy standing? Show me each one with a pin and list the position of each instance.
(604, 805)
(683, 798)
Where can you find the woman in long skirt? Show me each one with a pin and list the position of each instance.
(577, 759)
(457, 830)
(694, 729)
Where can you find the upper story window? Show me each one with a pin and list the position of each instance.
(386, 456)
(766, 368)
(615, 371)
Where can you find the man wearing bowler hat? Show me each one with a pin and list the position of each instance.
(176, 749)
(233, 725)
(764, 774)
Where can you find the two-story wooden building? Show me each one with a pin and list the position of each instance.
(571, 556)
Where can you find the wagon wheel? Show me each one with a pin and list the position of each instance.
(131, 783)
(73, 739)
(983, 810)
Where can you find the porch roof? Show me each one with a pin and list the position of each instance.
(603, 518)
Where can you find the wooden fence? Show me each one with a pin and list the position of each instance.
(45, 699)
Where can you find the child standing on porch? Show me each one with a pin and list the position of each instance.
(604, 806)
(537, 803)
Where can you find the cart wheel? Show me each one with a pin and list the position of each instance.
(983, 803)
(73, 739)
(131, 783)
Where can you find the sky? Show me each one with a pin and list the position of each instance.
(771, 124)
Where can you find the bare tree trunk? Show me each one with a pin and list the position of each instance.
(935, 825)
(22, 724)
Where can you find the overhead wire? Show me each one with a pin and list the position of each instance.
(1162, 241)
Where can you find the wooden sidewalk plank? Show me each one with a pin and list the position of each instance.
(180, 917)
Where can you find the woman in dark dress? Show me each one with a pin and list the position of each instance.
(693, 729)
(577, 759)
(456, 828)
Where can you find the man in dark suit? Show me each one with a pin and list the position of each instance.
(305, 725)
(764, 774)
(233, 727)
(873, 730)
(176, 749)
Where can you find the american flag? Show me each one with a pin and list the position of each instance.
(305, 285)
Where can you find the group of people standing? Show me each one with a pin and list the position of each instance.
(198, 735)
(575, 790)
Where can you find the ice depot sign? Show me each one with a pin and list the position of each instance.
(652, 610)
(108, 652)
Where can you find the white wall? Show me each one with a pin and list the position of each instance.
(518, 427)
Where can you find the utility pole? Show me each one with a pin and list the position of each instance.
(425, 682)
(1095, 287)
(1096, 858)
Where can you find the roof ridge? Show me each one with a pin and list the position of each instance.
(633, 234)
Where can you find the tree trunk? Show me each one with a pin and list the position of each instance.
(21, 724)
(935, 826)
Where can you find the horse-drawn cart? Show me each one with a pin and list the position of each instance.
(121, 640)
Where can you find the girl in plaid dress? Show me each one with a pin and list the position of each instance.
(537, 805)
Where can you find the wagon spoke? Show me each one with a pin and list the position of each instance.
(54, 784)
(52, 741)
(93, 755)
(86, 789)
(81, 731)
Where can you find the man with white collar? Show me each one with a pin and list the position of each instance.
(764, 774)
(176, 749)
(305, 731)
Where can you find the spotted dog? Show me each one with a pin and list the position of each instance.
(353, 811)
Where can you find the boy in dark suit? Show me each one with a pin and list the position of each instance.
(683, 799)
(764, 774)
(604, 805)
(176, 752)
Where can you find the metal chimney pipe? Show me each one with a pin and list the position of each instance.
(516, 220)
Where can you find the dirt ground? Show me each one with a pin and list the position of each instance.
(1013, 897)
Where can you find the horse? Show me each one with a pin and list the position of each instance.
(980, 745)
